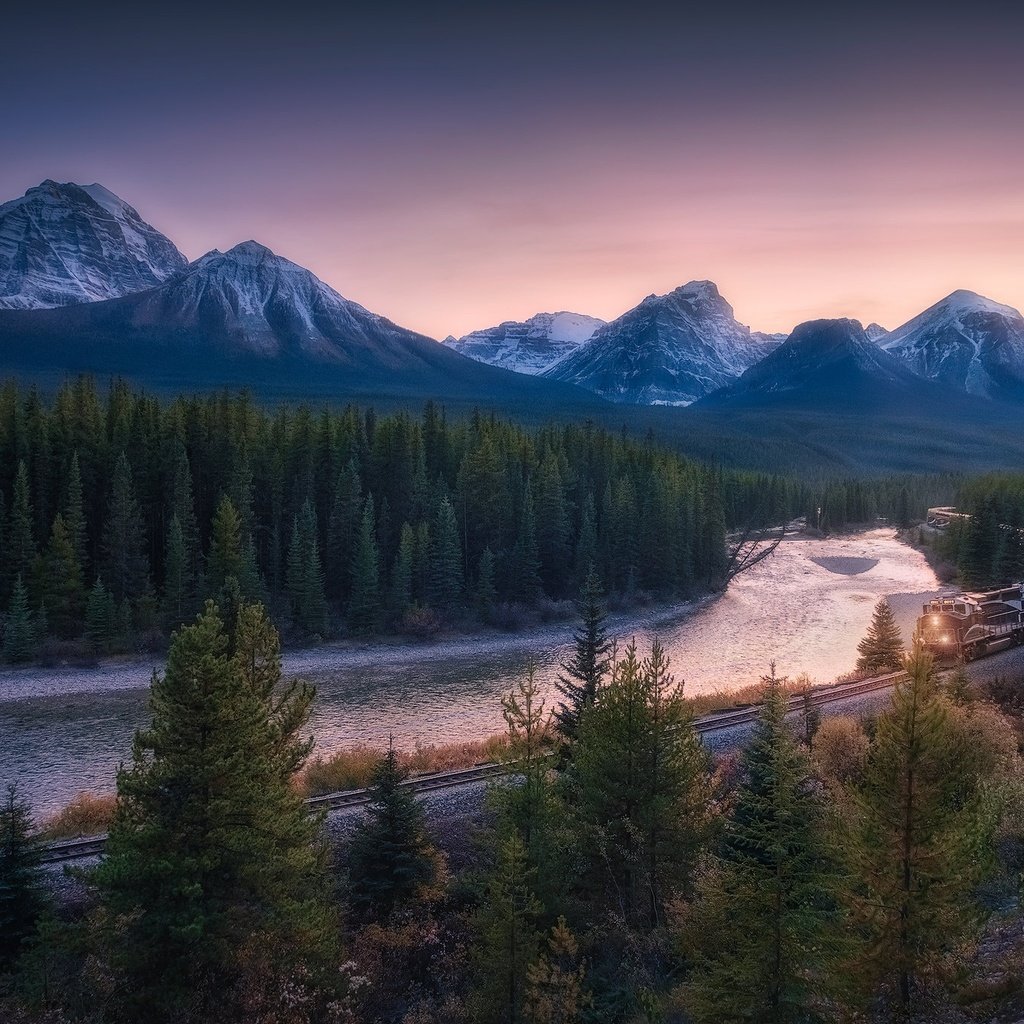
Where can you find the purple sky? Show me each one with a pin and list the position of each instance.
(461, 166)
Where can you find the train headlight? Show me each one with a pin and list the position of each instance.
(935, 620)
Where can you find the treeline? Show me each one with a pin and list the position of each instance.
(839, 876)
(988, 548)
(121, 513)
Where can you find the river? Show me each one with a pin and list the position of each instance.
(805, 607)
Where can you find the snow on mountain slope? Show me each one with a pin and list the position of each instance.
(530, 346)
(670, 350)
(875, 332)
(65, 243)
(966, 341)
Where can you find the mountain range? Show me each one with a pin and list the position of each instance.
(87, 285)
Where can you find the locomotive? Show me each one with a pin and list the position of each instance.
(971, 625)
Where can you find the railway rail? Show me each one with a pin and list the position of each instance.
(66, 850)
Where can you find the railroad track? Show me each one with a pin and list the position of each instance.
(64, 851)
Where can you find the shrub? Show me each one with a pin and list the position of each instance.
(87, 814)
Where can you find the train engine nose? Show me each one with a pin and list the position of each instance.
(938, 630)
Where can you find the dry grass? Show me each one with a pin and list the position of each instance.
(352, 767)
(86, 815)
(727, 700)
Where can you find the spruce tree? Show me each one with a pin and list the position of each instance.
(526, 581)
(914, 841)
(586, 541)
(21, 546)
(211, 849)
(306, 574)
(125, 566)
(589, 665)
(100, 625)
(508, 938)
(638, 793)
(364, 604)
(766, 921)
(342, 529)
(21, 881)
(445, 559)
(60, 583)
(179, 585)
(881, 650)
(390, 856)
(74, 513)
(402, 571)
(225, 558)
(20, 629)
(183, 508)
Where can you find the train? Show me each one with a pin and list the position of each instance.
(972, 625)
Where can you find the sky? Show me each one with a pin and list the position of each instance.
(456, 165)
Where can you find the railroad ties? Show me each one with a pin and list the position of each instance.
(92, 846)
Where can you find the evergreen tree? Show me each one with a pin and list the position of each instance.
(586, 543)
(21, 882)
(100, 615)
(445, 559)
(126, 567)
(306, 574)
(211, 848)
(403, 570)
(638, 792)
(390, 857)
(589, 665)
(225, 558)
(184, 510)
(766, 921)
(60, 582)
(364, 604)
(555, 993)
(343, 526)
(881, 650)
(179, 586)
(74, 513)
(20, 628)
(21, 545)
(508, 940)
(914, 848)
(526, 582)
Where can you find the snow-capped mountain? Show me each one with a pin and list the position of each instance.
(831, 364)
(66, 243)
(966, 341)
(248, 316)
(670, 350)
(875, 332)
(530, 346)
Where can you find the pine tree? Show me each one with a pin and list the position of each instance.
(74, 513)
(211, 848)
(914, 841)
(21, 546)
(637, 789)
(100, 613)
(881, 650)
(586, 542)
(125, 565)
(60, 582)
(21, 882)
(342, 529)
(306, 574)
(767, 919)
(364, 604)
(390, 857)
(402, 571)
(445, 559)
(508, 939)
(183, 508)
(225, 558)
(589, 665)
(179, 586)
(526, 582)
(20, 630)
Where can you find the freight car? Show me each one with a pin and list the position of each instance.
(971, 625)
